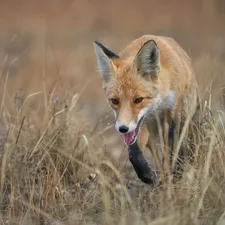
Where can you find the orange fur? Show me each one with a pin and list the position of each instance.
(174, 83)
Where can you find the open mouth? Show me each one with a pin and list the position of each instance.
(131, 137)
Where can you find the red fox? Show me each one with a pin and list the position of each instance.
(152, 76)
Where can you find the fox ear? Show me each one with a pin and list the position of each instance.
(105, 59)
(148, 59)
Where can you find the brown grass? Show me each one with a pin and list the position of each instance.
(61, 160)
(56, 169)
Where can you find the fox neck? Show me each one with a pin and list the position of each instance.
(162, 103)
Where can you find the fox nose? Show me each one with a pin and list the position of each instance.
(123, 129)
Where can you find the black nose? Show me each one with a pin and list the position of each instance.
(123, 129)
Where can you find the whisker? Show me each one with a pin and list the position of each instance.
(110, 120)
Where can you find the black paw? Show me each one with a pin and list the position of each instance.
(141, 166)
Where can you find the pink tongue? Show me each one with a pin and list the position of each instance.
(129, 137)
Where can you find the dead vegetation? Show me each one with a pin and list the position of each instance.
(61, 161)
(55, 169)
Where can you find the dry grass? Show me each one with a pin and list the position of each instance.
(61, 161)
(58, 169)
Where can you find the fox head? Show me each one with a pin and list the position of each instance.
(131, 86)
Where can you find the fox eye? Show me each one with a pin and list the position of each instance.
(115, 101)
(138, 100)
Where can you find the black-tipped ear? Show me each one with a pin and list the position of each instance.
(105, 59)
(108, 53)
(148, 59)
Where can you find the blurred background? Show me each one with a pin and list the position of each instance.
(49, 43)
(47, 64)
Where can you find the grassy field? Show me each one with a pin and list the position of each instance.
(61, 160)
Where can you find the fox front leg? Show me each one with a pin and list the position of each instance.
(141, 166)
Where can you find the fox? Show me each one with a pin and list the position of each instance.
(151, 79)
